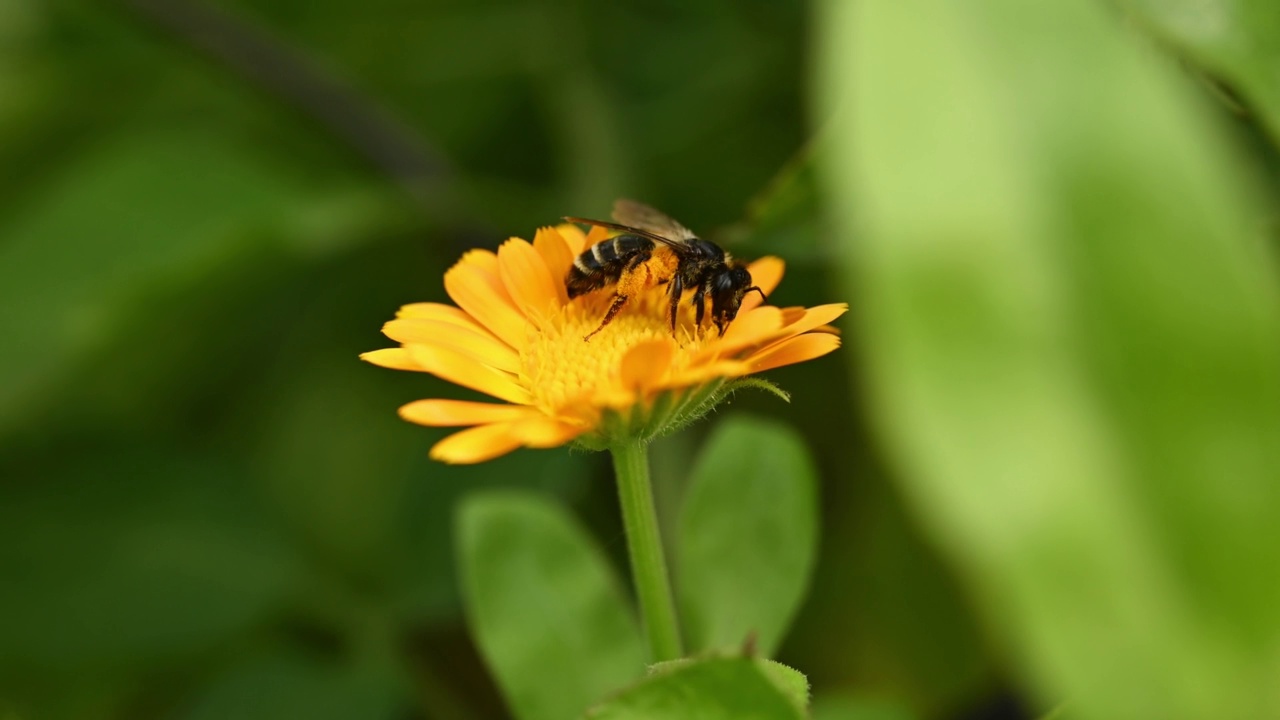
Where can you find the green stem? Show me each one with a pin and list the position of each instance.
(648, 565)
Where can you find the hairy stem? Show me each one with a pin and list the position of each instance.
(644, 545)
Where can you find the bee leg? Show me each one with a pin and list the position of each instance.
(618, 302)
(699, 304)
(676, 290)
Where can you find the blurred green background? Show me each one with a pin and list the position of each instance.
(208, 507)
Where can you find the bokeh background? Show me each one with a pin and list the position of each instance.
(208, 507)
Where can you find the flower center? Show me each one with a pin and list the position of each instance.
(561, 369)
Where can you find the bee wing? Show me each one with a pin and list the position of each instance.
(639, 215)
(680, 248)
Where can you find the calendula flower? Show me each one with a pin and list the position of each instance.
(515, 335)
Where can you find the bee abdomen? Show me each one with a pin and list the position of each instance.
(603, 263)
(625, 246)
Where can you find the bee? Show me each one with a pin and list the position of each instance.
(652, 250)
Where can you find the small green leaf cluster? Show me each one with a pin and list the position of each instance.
(555, 627)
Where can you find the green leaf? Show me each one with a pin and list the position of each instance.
(747, 535)
(728, 688)
(432, 590)
(1237, 40)
(1073, 339)
(791, 682)
(544, 606)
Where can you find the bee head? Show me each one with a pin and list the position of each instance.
(728, 287)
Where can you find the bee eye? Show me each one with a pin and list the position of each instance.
(724, 282)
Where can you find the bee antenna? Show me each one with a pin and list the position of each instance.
(762, 295)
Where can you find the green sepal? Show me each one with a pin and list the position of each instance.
(669, 412)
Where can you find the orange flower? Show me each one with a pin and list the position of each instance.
(516, 336)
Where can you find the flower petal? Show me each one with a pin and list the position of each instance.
(477, 344)
(541, 431)
(705, 372)
(437, 311)
(447, 314)
(574, 238)
(526, 277)
(482, 295)
(793, 314)
(485, 442)
(555, 252)
(451, 413)
(768, 325)
(766, 273)
(794, 350)
(484, 259)
(459, 369)
(596, 235)
(645, 363)
(394, 358)
(751, 328)
(816, 317)
(475, 445)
